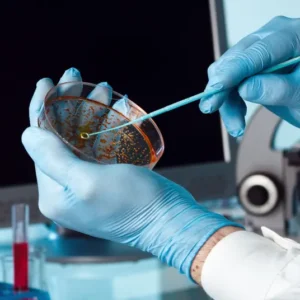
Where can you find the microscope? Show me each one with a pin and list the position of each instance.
(267, 180)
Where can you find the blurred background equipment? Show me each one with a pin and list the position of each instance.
(23, 269)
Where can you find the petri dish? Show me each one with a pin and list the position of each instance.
(73, 109)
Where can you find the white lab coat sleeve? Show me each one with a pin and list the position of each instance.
(247, 266)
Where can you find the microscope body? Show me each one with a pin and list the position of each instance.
(267, 180)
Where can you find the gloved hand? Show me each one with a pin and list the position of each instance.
(118, 202)
(277, 41)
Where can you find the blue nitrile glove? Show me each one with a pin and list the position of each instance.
(277, 41)
(118, 202)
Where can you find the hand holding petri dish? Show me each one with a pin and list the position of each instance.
(73, 110)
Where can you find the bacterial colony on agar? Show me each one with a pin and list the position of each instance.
(70, 116)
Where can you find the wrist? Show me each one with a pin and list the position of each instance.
(179, 234)
(200, 258)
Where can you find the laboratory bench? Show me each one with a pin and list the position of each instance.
(117, 272)
(80, 267)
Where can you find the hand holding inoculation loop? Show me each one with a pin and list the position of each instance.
(236, 70)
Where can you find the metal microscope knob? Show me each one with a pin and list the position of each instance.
(258, 194)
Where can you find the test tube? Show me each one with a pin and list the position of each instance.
(20, 221)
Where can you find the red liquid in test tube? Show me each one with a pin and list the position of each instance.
(20, 220)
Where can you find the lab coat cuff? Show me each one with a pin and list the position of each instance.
(243, 265)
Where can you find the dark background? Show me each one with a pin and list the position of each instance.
(157, 52)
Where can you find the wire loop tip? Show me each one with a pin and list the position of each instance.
(84, 135)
